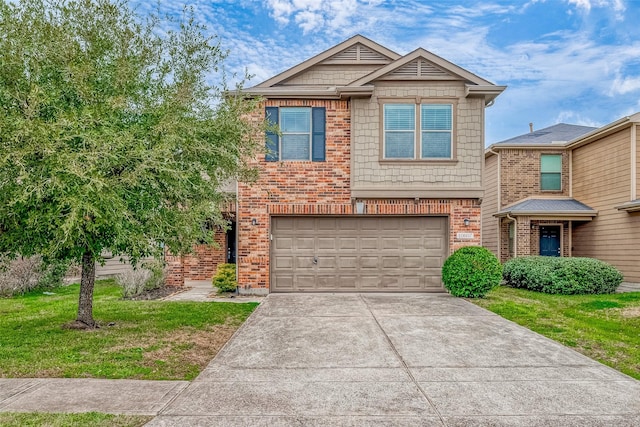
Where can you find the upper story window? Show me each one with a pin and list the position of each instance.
(418, 131)
(551, 172)
(302, 134)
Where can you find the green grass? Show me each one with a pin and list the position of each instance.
(94, 419)
(604, 327)
(156, 340)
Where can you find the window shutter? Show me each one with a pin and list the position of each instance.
(272, 139)
(318, 134)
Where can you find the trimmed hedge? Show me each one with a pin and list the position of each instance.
(471, 272)
(225, 278)
(558, 275)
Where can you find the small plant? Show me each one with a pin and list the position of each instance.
(149, 276)
(567, 276)
(471, 272)
(225, 278)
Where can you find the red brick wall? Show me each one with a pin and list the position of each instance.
(297, 184)
(520, 175)
(202, 263)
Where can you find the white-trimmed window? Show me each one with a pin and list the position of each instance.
(551, 172)
(295, 125)
(403, 141)
(437, 132)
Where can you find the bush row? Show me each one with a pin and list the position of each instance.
(558, 275)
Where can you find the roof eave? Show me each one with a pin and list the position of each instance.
(489, 93)
(560, 214)
(633, 206)
(604, 131)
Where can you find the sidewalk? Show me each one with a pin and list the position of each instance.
(129, 397)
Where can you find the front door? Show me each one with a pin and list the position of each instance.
(550, 240)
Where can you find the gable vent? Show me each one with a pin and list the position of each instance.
(350, 54)
(419, 69)
(367, 54)
(429, 70)
(409, 70)
(355, 54)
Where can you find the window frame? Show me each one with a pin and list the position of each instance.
(554, 190)
(417, 153)
(283, 133)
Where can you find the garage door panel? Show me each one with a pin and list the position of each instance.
(367, 243)
(391, 243)
(358, 253)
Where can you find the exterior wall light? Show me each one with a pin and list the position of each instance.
(467, 222)
(254, 221)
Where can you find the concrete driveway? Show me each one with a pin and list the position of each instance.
(397, 360)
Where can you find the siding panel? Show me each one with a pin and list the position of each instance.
(490, 205)
(601, 179)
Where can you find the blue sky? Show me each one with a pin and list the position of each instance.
(571, 61)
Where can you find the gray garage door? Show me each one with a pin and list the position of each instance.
(347, 254)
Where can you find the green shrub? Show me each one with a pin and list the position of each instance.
(557, 275)
(225, 278)
(471, 272)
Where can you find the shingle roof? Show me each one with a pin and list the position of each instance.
(560, 207)
(561, 132)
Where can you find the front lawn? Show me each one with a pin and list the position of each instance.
(151, 340)
(94, 419)
(604, 327)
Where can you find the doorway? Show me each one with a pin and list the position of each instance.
(550, 240)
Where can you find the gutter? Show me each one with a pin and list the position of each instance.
(515, 235)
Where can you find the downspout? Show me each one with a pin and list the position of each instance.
(515, 235)
(490, 149)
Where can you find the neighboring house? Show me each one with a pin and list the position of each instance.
(565, 190)
(374, 178)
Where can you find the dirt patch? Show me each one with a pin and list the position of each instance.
(630, 312)
(190, 347)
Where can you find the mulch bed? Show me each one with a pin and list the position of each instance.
(159, 293)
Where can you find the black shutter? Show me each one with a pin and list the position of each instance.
(272, 139)
(318, 134)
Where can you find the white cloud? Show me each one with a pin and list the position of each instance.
(576, 118)
(587, 5)
(314, 15)
(623, 85)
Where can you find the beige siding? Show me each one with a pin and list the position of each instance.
(113, 266)
(601, 179)
(369, 173)
(490, 205)
(330, 75)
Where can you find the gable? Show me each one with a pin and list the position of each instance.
(420, 69)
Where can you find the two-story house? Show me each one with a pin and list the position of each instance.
(566, 190)
(373, 179)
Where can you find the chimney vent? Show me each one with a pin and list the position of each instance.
(530, 127)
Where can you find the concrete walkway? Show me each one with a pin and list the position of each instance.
(399, 360)
(203, 291)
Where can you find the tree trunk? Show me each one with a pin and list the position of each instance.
(85, 301)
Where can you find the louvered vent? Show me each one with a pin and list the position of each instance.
(367, 54)
(350, 54)
(429, 70)
(409, 70)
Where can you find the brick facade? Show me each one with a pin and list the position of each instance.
(520, 174)
(294, 187)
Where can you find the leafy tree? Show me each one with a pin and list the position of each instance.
(111, 135)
